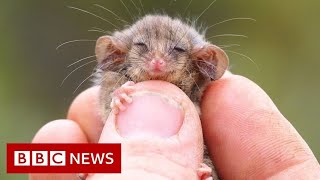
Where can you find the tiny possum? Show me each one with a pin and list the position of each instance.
(156, 47)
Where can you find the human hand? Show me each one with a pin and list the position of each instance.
(247, 136)
(160, 133)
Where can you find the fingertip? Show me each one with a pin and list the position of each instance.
(84, 103)
(60, 131)
(85, 111)
(232, 92)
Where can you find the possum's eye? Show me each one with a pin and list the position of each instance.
(141, 44)
(179, 49)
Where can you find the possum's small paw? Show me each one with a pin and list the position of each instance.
(120, 96)
(82, 176)
(204, 172)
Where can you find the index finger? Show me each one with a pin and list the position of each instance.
(246, 134)
(85, 111)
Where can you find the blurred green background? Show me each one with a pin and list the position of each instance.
(284, 42)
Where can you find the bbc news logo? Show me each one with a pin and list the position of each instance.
(39, 158)
(63, 158)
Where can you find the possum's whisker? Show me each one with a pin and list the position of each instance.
(119, 81)
(75, 71)
(133, 59)
(139, 73)
(135, 6)
(84, 81)
(205, 10)
(172, 1)
(142, 7)
(85, 58)
(228, 35)
(106, 65)
(96, 30)
(121, 69)
(138, 62)
(228, 45)
(245, 56)
(130, 14)
(231, 19)
(113, 13)
(142, 73)
(185, 10)
(193, 79)
(104, 78)
(76, 40)
(93, 15)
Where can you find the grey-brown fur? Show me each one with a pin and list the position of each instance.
(191, 66)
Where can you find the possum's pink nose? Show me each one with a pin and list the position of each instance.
(157, 64)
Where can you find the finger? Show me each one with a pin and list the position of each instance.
(128, 89)
(85, 111)
(247, 136)
(126, 98)
(160, 133)
(119, 104)
(59, 131)
(129, 83)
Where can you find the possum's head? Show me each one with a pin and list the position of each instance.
(159, 47)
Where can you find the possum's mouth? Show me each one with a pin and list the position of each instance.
(148, 74)
(169, 76)
(156, 73)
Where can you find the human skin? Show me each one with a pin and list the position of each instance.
(247, 136)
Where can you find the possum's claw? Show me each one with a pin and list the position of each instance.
(121, 96)
(204, 172)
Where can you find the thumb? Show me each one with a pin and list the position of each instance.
(160, 133)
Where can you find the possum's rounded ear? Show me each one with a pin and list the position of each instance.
(211, 60)
(107, 48)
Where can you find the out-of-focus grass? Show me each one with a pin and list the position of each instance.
(284, 43)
